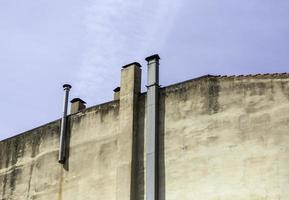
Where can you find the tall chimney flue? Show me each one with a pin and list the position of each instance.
(61, 156)
(152, 127)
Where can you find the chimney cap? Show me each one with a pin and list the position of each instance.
(134, 63)
(67, 86)
(155, 56)
(117, 89)
(76, 100)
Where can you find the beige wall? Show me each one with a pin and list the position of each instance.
(226, 138)
(29, 168)
(219, 139)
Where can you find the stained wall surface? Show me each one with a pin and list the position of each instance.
(224, 138)
(29, 167)
(220, 138)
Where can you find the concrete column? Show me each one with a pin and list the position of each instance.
(77, 105)
(130, 90)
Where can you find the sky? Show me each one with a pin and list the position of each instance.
(46, 43)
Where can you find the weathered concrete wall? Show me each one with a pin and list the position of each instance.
(220, 138)
(225, 138)
(29, 167)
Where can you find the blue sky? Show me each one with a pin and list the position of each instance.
(46, 43)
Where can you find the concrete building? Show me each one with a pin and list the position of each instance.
(217, 138)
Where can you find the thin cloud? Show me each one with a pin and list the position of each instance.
(119, 32)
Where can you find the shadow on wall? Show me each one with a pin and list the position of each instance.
(65, 165)
(139, 186)
(161, 148)
(67, 143)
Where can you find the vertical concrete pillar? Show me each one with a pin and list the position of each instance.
(130, 89)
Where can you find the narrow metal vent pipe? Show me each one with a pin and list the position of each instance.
(152, 127)
(62, 145)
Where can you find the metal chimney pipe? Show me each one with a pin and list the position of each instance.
(61, 156)
(152, 127)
